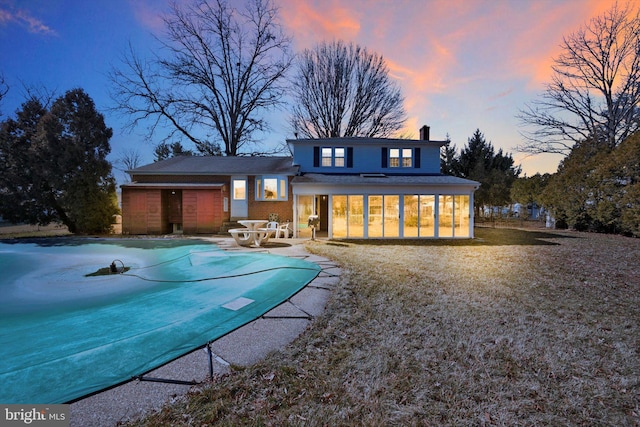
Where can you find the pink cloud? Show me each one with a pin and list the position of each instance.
(313, 22)
(24, 19)
(149, 14)
(534, 49)
(451, 49)
(5, 16)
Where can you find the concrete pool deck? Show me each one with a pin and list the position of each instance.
(243, 347)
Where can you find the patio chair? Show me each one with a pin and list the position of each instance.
(272, 227)
(283, 229)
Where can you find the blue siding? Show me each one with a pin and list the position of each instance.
(367, 157)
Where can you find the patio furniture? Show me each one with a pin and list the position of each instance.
(283, 229)
(253, 234)
(273, 226)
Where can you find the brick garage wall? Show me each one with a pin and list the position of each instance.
(202, 211)
(142, 212)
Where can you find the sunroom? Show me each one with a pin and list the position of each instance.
(370, 206)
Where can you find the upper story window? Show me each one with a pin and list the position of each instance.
(331, 157)
(272, 188)
(400, 157)
(327, 157)
(338, 157)
(407, 156)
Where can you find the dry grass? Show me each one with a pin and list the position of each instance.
(13, 231)
(515, 328)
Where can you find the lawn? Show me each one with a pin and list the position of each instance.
(13, 231)
(513, 328)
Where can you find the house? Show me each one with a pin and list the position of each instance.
(357, 187)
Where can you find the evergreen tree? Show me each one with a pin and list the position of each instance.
(62, 156)
(496, 173)
(570, 190)
(164, 151)
(448, 160)
(19, 189)
(597, 188)
(530, 190)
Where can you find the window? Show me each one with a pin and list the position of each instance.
(347, 216)
(339, 157)
(445, 215)
(394, 158)
(306, 207)
(461, 216)
(391, 216)
(419, 215)
(272, 188)
(407, 155)
(239, 189)
(326, 157)
(332, 157)
(400, 157)
(375, 216)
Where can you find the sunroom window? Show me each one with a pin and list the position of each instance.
(272, 188)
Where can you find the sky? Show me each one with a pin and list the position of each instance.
(462, 65)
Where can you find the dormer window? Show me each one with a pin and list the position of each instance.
(339, 157)
(407, 155)
(400, 157)
(328, 157)
(394, 158)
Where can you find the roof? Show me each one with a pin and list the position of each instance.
(356, 140)
(171, 185)
(219, 165)
(376, 179)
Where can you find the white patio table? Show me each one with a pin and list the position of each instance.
(253, 234)
(253, 224)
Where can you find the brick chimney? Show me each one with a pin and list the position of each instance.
(424, 133)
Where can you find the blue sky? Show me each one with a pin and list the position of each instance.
(462, 64)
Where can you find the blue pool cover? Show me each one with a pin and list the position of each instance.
(64, 335)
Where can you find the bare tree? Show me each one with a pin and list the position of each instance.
(4, 89)
(342, 90)
(222, 68)
(129, 159)
(595, 87)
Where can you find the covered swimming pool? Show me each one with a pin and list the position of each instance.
(65, 334)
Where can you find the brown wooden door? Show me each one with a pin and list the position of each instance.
(175, 207)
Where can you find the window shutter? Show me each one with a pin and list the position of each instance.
(416, 155)
(349, 157)
(316, 157)
(384, 157)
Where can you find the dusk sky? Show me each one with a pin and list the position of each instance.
(462, 64)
